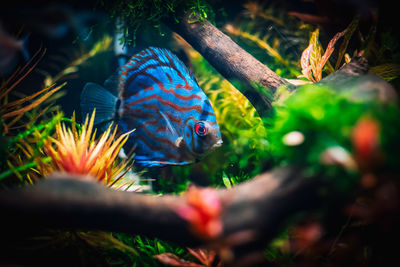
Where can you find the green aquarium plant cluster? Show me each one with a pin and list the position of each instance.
(317, 127)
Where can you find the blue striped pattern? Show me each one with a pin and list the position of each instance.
(161, 99)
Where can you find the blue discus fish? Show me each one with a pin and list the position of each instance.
(156, 94)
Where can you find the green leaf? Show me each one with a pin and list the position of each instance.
(160, 247)
(386, 71)
(347, 35)
(226, 180)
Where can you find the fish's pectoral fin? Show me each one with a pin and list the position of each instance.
(179, 142)
(169, 124)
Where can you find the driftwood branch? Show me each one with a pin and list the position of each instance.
(230, 60)
(253, 212)
(365, 85)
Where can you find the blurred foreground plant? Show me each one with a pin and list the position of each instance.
(205, 257)
(328, 132)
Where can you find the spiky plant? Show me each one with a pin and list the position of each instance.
(77, 152)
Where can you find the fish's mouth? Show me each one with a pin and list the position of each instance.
(210, 150)
(217, 144)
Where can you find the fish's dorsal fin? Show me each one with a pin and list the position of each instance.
(166, 56)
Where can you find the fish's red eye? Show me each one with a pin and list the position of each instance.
(200, 129)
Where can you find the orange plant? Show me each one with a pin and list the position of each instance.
(77, 152)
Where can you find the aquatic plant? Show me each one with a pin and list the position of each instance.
(25, 155)
(204, 256)
(145, 250)
(261, 43)
(382, 52)
(12, 112)
(255, 9)
(272, 37)
(133, 15)
(314, 59)
(22, 134)
(76, 151)
(387, 71)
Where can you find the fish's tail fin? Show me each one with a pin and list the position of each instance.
(94, 96)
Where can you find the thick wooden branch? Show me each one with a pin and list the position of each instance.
(258, 208)
(65, 201)
(230, 60)
(365, 85)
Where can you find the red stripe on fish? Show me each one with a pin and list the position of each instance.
(170, 104)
